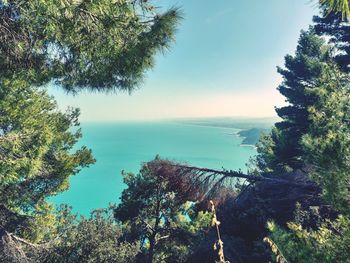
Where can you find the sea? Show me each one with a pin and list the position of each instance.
(124, 146)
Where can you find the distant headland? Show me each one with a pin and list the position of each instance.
(250, 128)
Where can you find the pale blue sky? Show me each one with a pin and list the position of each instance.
(222, 64)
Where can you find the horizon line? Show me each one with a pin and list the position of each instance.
(181, 119)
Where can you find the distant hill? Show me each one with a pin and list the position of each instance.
(251, 128)
(233, 122)
(251, 136)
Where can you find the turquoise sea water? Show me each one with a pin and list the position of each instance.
(124, 146)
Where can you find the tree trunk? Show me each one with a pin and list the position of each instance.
(152, 238)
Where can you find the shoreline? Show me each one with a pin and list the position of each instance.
(248, 145)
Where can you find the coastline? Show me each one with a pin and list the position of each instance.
(248, 145)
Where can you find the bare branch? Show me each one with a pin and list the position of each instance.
(163, 237)
(232, 174)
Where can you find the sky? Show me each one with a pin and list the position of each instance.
(223, 64)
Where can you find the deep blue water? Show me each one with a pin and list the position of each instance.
(124, 146)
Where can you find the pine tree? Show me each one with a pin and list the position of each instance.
(101, 45)
(336, 6)
(36, 155)
(327, 142)
(93, 239)
(158, 211)
(97, 45)
(282, 150)
(334, 24)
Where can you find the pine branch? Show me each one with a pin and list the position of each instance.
(25, 242)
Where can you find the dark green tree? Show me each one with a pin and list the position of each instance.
(282, 149)
(327, 142)
(326, 150)
(101, 45)
(36, 154)
(314, 134)
(329, 243)
(94, 239)
(336, 6)
(158, 211)
(334, 24)
(314, 130)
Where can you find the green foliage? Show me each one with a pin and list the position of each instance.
(187, 231)
(314, 134)
(333, 23)
(329, 243)
(101, 45)
(336, 6)
(282, 150)
(36, 148)
(327, 143)
(157, 214)
(266, 160)
(95, 239)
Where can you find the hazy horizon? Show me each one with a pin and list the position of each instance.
(187, 118)
(223, 64)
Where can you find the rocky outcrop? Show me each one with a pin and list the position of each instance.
(243, 218)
